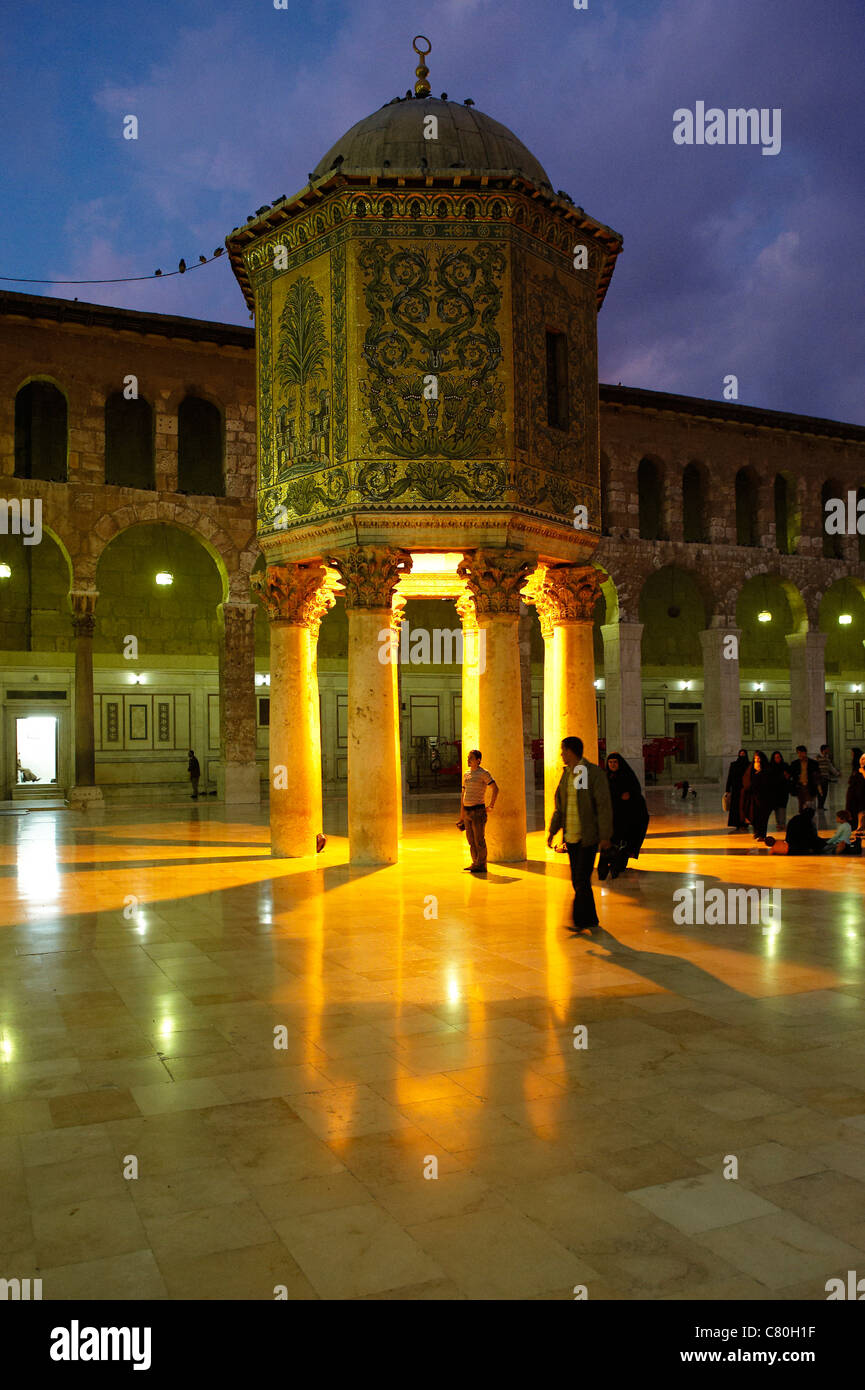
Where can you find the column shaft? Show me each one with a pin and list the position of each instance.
(808, 689)
(85, 792)
(237, 779)
(373, 821)
(500, 734)
(623, 689)
(722, 714)
(296, 597)
(575, 709)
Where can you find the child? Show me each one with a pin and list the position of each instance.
(839, 843)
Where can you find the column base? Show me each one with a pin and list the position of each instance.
(85, 798)
(238, 784)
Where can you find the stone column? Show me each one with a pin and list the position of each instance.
(623, 686)
(292, 595)
(552, 752)
(85, 792)
(397, 619)
(322, 601)
(494, 578)
(722, 711)
(370, 574)
(571, 592)
(469, 734)
(237, 777)
(525, 639)
(807, 689)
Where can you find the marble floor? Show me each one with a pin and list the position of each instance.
(348, 1084)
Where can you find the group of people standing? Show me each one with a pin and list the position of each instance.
(760, 786)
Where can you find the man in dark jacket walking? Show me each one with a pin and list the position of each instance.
(193, 767)
(584, 813)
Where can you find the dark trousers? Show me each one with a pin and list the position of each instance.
(804, 795)
(194, 781)
(476, 820)
(822, 792)
(582, 859)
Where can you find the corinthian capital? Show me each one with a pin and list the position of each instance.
(370, 573)
(494, 578)
(569, 593)
(296, 594)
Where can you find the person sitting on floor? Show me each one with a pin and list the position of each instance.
(839, 843)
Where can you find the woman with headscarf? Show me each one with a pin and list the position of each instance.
(758, 795)
(779, 772)
(630, 815)
(733, 790)
(856, 800)
(802, 837)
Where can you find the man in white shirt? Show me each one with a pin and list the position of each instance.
(473, 810)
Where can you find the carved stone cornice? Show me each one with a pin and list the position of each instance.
(494, 578)
(83, 604)
(296, 594)
(370, 573)
(569, 593)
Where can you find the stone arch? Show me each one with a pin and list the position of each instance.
(844, 650)
(197, 523)
(763, 644)
(674, 608)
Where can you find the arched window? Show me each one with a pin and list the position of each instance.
(40, 432)
(833, 546)
(649, 497)
(199, 448)
(129, 460)
(693, 504)
(746, 508)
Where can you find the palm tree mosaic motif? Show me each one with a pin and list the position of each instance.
(302, 422)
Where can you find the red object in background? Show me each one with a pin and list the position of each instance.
(537, 750)
(657, 749)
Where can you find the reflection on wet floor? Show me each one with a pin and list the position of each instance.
(291, 1049)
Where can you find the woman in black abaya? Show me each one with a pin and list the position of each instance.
(733, 789)
(630, 815)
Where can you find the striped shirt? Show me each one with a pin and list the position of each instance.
(475, 783)
(572, 829)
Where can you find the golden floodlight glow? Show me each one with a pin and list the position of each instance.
(439, 562)
(163, 578)
(764, 617)
(845, 619)
(5, 572)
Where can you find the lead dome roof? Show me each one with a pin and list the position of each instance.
(391, 140)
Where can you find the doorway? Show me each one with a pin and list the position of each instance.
(36, 750)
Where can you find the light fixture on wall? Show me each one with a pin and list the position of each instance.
(686, 685)
(164, 578)
(857, 690)
(758, 686)
(845, 619)
(262, 680)
(764, 617)
(5, 572)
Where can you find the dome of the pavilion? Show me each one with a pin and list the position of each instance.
(391, 142)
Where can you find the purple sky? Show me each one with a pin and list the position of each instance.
(734, 262)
